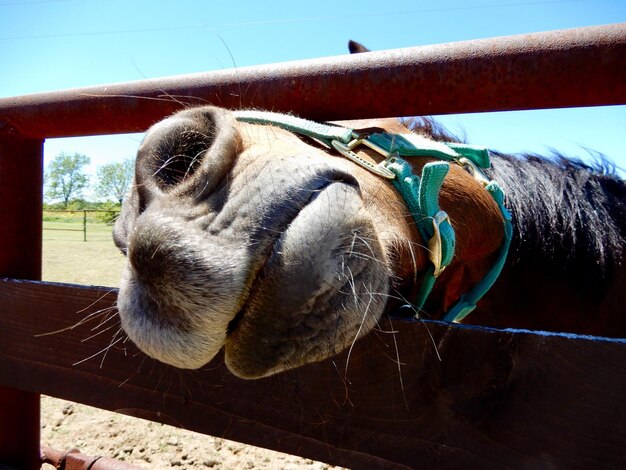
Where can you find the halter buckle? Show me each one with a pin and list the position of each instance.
(474, 170)
(347, 150)
(435, 245)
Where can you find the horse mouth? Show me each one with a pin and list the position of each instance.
(316, 291)
(273, 251)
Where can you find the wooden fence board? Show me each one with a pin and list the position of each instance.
(495, 399)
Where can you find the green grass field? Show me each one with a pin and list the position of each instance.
(67, 258)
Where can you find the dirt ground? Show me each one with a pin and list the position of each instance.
(149, 445)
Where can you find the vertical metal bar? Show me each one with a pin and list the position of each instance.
(21, 179)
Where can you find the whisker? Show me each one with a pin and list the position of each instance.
(417, 315)
(113, 343)
(108, 317)
(354, 235)
(101, 351)
(193, 161)
(136, 372)
(82, 321)
(99, 333)
(232, 59)
(96, 301)
(363, 256)
(399, 364)
(165, 97)
(366, 244)
(345, 382)
(356, 336)
(432, 340)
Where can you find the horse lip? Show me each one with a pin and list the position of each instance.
(232, 325)
(335, 177)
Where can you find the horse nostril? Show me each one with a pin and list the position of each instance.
(176, 159)
(185, 155)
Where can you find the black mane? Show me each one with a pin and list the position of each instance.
(569, 217)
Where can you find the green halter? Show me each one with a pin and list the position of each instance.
(420, 194)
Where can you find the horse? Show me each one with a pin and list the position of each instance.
(249, 235)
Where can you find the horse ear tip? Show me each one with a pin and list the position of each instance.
(356, 47)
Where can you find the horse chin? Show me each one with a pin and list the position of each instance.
(184, 349)
(164, 304)
(323, 286)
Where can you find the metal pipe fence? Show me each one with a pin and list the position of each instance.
(83, 220)
(577, 67)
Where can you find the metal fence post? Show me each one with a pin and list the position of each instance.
(21, 178)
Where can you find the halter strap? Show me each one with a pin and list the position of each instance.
(420, 194)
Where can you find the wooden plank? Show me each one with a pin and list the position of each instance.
(459, 396)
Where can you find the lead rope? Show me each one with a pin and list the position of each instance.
(420, 194)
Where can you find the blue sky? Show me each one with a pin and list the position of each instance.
(58, 44)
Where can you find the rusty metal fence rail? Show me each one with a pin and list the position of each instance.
(580, 67)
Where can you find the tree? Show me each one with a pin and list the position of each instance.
(114, 179)
(65, 177)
